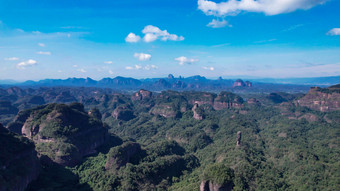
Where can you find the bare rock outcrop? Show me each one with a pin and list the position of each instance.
(165, 110)
(226, 100)
(210, 186)
(239, 137)
(141, 95)
(321, 99)
(241, 83)
(198, 112)
(123, 113)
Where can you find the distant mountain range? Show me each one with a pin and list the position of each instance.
(321, 81)
(197, 83)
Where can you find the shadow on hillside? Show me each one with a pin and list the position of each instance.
(56, 177)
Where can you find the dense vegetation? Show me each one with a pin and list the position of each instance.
(156, 144)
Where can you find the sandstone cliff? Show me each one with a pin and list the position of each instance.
(321, 99)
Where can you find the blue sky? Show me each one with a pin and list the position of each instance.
(230, 38)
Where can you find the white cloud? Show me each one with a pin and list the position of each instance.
(111, 72)
(142, 56)
(184, 60)
(41, 44)
(12, 58)
(28, 63)
(208, 68)
(132, 38)
(268, 7)
(215, 23)
(82, 70)
(335, 31)
(108, 62)
(75, 66)
(139, 67)
(150, 37)
(44, 53)
(149, 67)
(153, 33)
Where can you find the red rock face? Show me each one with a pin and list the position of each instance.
(239, 83)
(141, 95)
(321, 101)
(197, 114)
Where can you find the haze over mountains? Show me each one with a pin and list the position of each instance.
(198, 83)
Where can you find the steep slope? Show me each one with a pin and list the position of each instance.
(18, 161)
(63, 133)
(321, 99)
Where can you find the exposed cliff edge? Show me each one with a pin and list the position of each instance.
(321, 99)
(64, 133)
(19, 164)
(217, 177)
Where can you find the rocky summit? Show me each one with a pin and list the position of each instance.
(63, 133)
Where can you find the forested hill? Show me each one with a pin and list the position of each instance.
(178, 140)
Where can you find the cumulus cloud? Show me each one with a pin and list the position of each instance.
(108, 62)
(111, 72)
(208, 68)
(75, 66)
(132, 37)
(44, 53)
(12, 59)
(28, 63)
(184, 60)
(218, 23)
(268, 7)
(335, 31)
(153, 33)
(41, 44)
(142, 56)
(82, 70)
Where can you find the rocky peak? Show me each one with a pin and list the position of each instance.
(171, 77)
(198, 112)
(238, 140)
(63, 133)
(248, 84)
(241, 83)
(141, 95)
